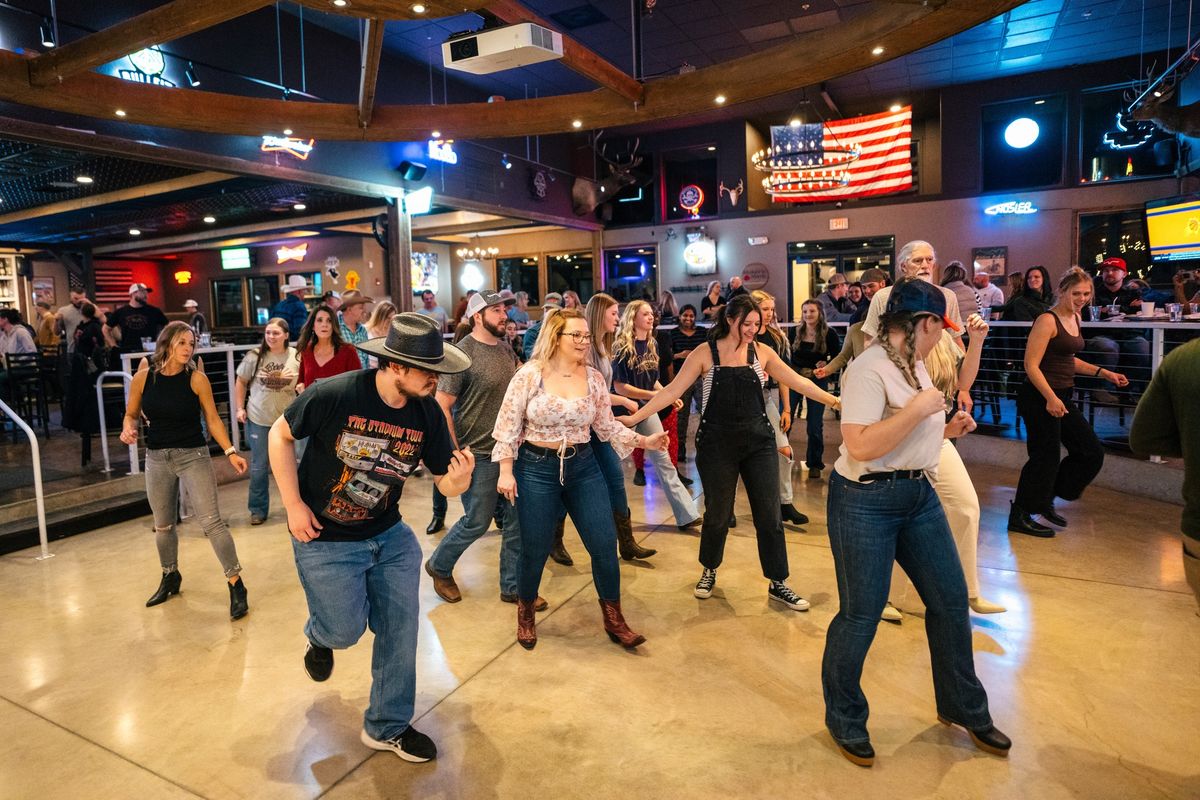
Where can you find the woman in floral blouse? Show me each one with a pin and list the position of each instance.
(550, 409)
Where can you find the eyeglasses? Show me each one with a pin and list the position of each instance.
(577, 337)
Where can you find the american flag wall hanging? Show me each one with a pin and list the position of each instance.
(854, 157)
(112, 285)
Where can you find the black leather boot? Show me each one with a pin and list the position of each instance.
(1019, 521)
(167, 587)
(627, 546)
(435, 524)
(238, 607)
(1053, 517)
(989, 739)
(558, 552)
(790, 514)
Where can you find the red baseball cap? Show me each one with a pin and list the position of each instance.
(1113, 261)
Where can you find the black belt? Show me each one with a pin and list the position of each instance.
(894, 475)
(572, 450)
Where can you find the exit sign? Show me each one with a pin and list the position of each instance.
(839, 224)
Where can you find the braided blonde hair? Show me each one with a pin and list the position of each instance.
(906, 362)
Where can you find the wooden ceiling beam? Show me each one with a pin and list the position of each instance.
(806, 60)
(575, 56)
(157, 26)
(372, 53)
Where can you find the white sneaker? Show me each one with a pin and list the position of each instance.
(704, 587)
(783, 593)
(891, 614)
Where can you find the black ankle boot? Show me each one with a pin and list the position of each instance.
(1053, 517)
(168, 586)
(790, 514)
(1019, 521)
(238, 607)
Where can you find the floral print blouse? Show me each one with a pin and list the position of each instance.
(530, 412)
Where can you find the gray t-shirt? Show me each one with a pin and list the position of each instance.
(71, 317)
(479, 392)
(436, 313)
(271, 384)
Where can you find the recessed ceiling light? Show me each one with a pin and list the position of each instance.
(120, 112)
(418, 8)
(795, 122)
(210, 219)
(299, 207)
(719, 99)
(576, 123)
(877, 51)
(134, 232)
(895, 107)
(1039, 102)
(712, 147)
(84, 179)
(339, 3)
(287, 131)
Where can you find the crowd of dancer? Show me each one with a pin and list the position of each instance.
(532, 433)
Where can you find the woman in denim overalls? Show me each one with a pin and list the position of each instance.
(736, 438)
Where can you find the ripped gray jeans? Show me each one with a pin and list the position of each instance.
(165, 468)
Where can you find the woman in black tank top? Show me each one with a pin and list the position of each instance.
(736, 439)
(1052, 420)
(170, 394)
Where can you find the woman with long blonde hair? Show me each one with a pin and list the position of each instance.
(381, 319)
(172, 394)
(635, 375)
(543, 436)
(779, 397)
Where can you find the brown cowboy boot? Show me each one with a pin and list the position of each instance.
(626, 544)
(615, 626)
(526, 630)
(558, 552)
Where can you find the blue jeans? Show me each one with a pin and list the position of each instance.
(352, 585)
(541, 500)
(870, 526)
(260, 469)
(614, 476)
(479, 506)
(814, 456)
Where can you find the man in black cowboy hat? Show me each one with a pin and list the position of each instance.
(358, 562)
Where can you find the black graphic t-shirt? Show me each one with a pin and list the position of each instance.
(137, 324)
(360, 451)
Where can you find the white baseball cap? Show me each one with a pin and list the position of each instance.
(139, 287)
(191, 304)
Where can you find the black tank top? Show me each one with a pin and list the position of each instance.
(1058, 362)
(172, 411)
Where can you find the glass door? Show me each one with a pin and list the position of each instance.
(229, 304)
(264, 294)
(812, 264)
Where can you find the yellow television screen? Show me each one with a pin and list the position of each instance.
(1173, 228)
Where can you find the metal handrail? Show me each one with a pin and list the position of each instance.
(39, 497)
(134, 467)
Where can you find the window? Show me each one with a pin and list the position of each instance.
(1121, 234)
(228, 303)
(571, 271)
(264, 294)
(1115, 148)
(520, 274)
(631, 273)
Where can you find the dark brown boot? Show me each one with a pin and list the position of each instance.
(615, 626)
(626, 545)
(558, 552)
(526, 627)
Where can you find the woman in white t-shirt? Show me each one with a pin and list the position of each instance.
(266, 385)
(882, 508)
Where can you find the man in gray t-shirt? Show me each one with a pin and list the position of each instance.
(472, 400)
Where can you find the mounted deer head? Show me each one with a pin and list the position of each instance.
(588, 195)
(734, 194)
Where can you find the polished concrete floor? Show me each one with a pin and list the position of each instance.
(1093, 671)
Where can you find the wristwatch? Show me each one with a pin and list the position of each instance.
(230, 450)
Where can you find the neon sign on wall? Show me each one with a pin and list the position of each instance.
(287, 144)
(1011, 207)
(148, 67)
(296, 253)
(443, 150)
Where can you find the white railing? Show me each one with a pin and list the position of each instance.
(39, 496)
(133, 454)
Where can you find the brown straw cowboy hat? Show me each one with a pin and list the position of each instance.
(415, 340)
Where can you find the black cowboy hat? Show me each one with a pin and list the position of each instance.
(415, 340)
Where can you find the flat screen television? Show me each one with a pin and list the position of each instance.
(236, 258)
(1173, 228)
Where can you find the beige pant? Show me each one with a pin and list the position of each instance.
(961, 504)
